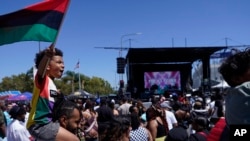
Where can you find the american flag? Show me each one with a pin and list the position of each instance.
(77, 65)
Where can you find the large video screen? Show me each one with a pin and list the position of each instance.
(163, 80)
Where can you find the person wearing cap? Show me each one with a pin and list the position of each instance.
(170, 117)
(16, 131)
(199, 110)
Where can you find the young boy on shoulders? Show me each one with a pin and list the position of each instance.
(50, 65)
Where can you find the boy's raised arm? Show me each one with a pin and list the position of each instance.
(50, 51)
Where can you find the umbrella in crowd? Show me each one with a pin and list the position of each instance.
(9, 93)
(3, 97)
(23, 96)
(27, 94)
(6, 94)
(80, 94)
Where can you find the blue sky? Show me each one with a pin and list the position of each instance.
(101, 23)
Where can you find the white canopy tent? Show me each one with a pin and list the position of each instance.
(222, 84)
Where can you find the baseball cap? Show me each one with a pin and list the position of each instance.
(165, 104)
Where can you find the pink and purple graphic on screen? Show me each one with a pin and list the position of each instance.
(164, 80)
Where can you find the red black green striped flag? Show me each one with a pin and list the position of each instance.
(38, 22)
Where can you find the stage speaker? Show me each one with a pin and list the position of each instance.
(120, 65)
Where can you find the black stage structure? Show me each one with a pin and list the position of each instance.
(140, 60)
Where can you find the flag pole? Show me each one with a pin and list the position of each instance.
(72, 82)
(52, 46)
(78, 65)
(79, 80)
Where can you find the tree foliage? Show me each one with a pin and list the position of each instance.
(69, 83)
(22, 82)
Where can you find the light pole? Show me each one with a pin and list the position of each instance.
(120, 53)
(130, 34)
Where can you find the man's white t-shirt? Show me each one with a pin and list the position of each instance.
(17, 132)
(170, 117)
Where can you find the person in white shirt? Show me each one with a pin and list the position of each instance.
(26, 115)
(16, 131)
(170, 117)
(123, 109)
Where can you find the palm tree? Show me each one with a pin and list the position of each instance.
(70, 77)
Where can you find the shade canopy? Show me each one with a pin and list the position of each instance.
(80, 94)
(20, 97)
(222, 84)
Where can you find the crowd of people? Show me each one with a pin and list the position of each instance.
(122, 120)
(51, 116)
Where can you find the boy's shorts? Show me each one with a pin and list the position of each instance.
(46, 132)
